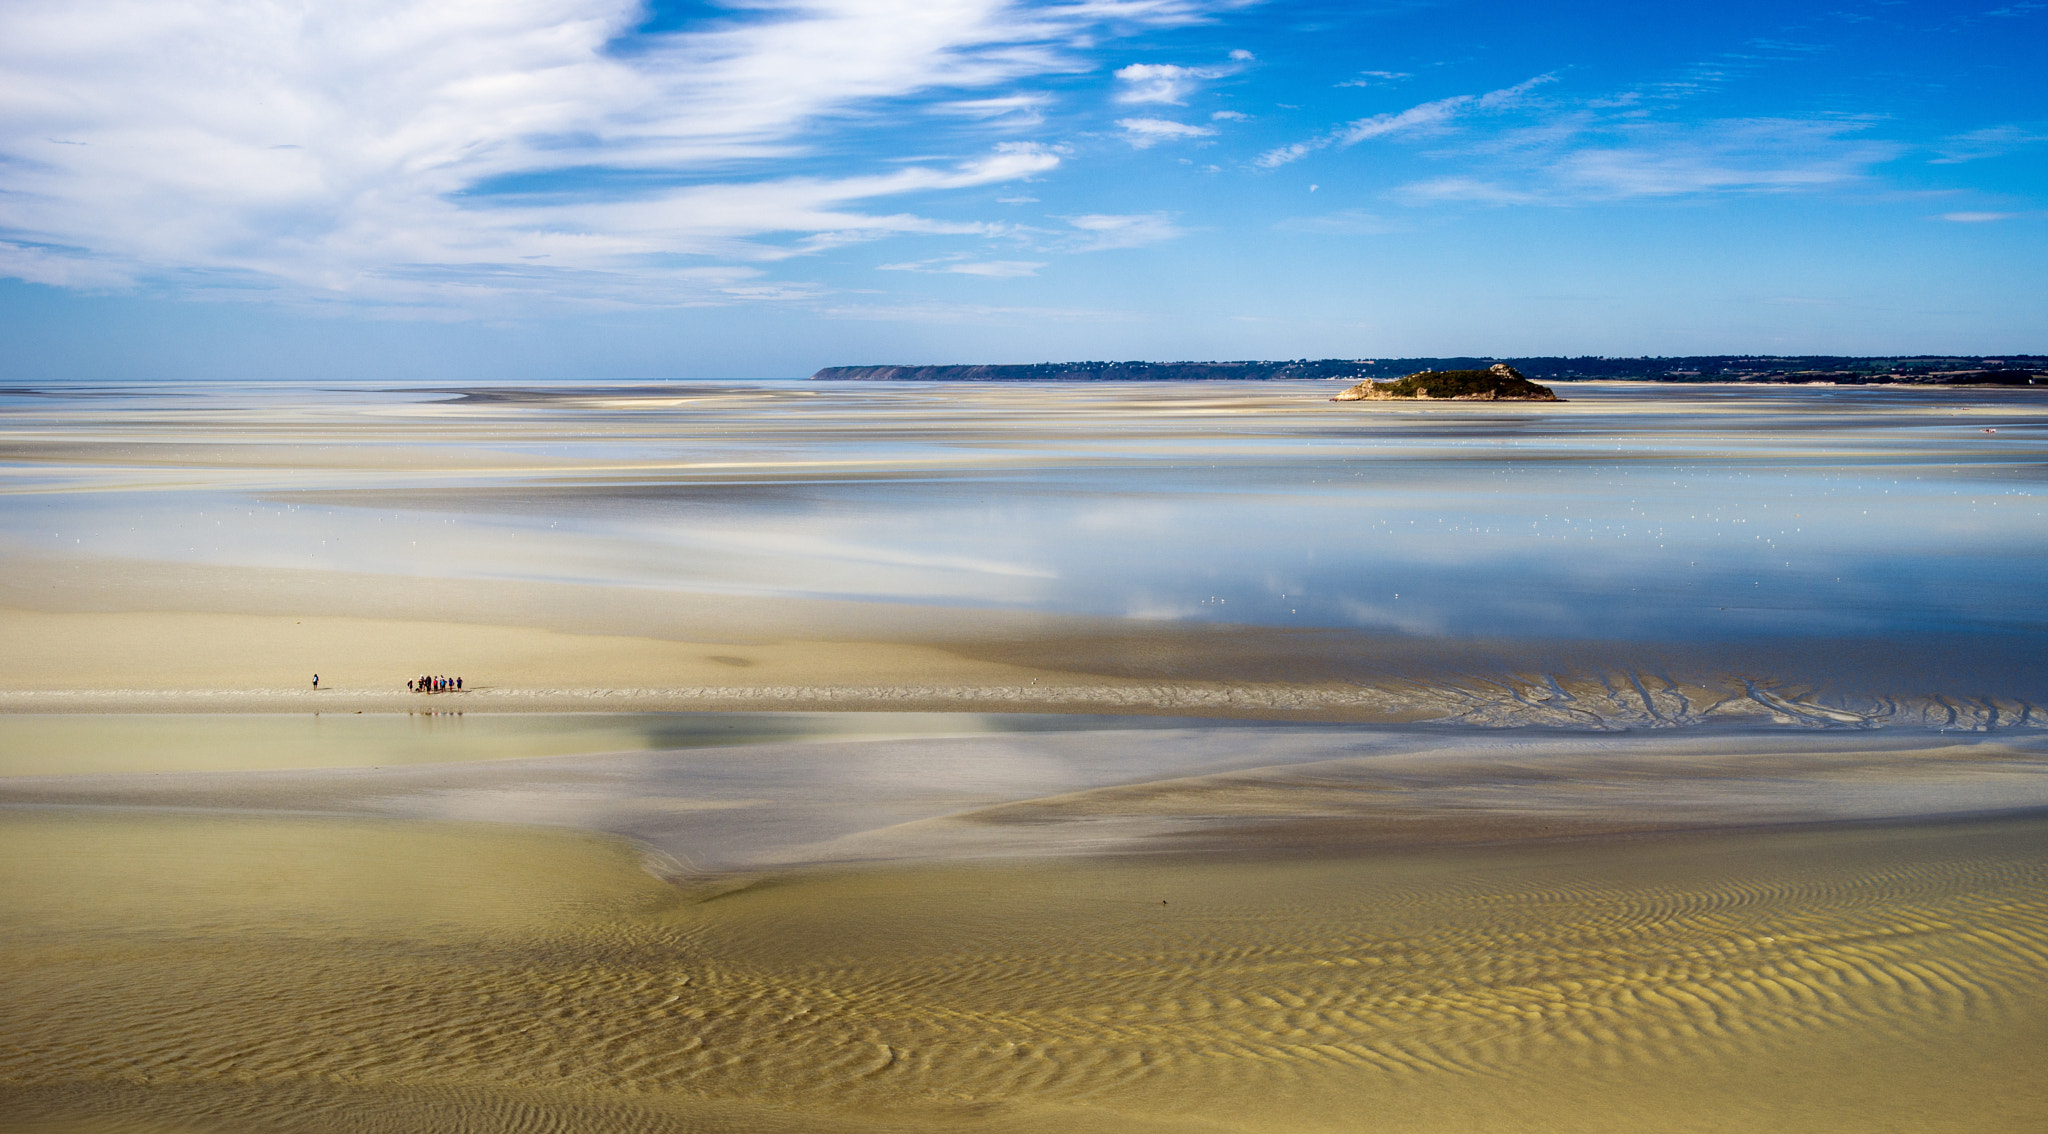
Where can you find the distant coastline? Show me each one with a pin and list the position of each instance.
(1920, 370)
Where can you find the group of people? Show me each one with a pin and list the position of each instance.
(435, 685)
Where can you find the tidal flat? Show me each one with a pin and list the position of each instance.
(1178, 757)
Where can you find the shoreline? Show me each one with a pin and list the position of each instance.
(1221, 701)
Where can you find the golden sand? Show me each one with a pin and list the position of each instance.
(526, 655)
(160, 651)
(167, 973)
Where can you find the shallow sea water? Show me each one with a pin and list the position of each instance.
(1632, 511)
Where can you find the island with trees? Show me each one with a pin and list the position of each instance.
(1497, 383)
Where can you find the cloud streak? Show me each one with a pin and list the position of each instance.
(1989, 142)
(1102, 232)
(958, 265)
(1423, 117)
(1594, 162)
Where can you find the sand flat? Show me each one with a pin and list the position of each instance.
(1688, 778)
(196, 652)
(262, 976)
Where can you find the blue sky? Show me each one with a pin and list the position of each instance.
(595, 188)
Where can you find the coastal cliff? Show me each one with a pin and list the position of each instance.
(1497, 383)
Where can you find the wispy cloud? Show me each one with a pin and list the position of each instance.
(465, 151)
(1608, 161)
(1977, 218)
(1104, 231)
(1015, 111)
(1989, 142)
(970, 313)
(1347, 222)
(1147, 132)
(1421, 117)
(1376, 79)
(961, 266)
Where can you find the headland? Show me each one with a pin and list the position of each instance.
(1840, 370)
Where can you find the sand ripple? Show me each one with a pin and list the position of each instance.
(1199, 996)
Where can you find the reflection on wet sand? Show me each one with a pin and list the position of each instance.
(738, 799)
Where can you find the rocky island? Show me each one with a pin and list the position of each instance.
(1497, 383)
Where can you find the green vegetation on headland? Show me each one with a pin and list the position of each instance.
(1497, 383)
(1960, 370)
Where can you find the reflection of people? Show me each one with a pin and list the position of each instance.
(316, 681)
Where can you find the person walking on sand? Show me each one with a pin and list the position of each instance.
(458, 685)
(316, 681)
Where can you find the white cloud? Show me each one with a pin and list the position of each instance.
(1977, 218)
(1105, 231)
(371, 149)
(1423, 117)
(1158, 82)
(1169, 83)
(990, 269)
(1146, 132)
(1229, 116)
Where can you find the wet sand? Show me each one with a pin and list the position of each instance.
(1130, 926)
(174, 973)
(515, 648)
(711, 799)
